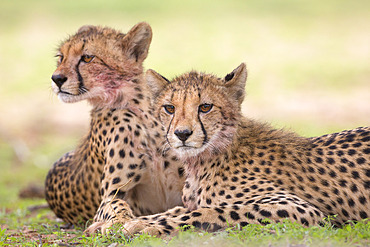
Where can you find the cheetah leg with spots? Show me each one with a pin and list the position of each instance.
(216, 218)
(121, 174)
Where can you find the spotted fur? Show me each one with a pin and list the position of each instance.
(240, 171)
(119, 169)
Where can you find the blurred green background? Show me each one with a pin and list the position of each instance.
(308, 61)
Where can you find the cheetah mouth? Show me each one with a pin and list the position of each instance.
(80, 92)
(67, 93)
(185, 148)
(67, 97)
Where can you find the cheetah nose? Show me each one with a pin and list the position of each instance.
(59, 79)
(183, 135)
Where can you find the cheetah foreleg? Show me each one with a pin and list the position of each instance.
(216, 218)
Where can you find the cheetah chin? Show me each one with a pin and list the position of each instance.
(70, 98)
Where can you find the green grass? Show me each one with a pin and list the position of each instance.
(308, 65)
(31, 229)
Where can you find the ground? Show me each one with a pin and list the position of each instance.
(40, 227)
(308, 68)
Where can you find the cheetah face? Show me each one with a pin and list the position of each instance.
(68, 82)
(199, 111)
(99, 63)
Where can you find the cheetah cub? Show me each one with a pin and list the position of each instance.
(119, 169)
(239, 171)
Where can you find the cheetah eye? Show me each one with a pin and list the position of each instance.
(205, 108)
(87, 58)
(60, 58)
(170, 109)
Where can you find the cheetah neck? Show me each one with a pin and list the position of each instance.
(129, 93)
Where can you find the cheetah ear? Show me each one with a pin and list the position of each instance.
(235, 82)
(86, 28)
(137, 41)
(156, 82)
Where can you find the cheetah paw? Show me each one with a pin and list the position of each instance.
(117, 215)
(139, 227)
(98, 226)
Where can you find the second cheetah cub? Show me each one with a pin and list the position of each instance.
(240, 171)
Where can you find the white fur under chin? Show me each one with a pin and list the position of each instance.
(67, 98)
(188, 152)
(84, 95)
(203, 152)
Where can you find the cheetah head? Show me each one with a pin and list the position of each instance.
(99, 63)
(199, 112)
